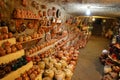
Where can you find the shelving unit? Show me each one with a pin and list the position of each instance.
(48, 47)
(13, 75)
(14, 56)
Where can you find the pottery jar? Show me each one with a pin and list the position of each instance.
(47, 78)
(29, 37)
(68, 74)
(2, 52)
(1, 37)
(59, 75)
(6, 44)
(70, 67)
(58, 65)
(64, 58)
(10, 35)
(32, 76)
(53, 60)
(64, 64)
(8, 50)
(5, 36)
(13, 48)
(49, 73)
(19, 46)
(41, 65)
(20, 39)
(73, 62)
(46, 60)
(60, 54)
(48, 65)
(25, 38)
(4, 30)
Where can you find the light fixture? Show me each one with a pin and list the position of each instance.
(88, 12)
(104, 20)
(93, 19)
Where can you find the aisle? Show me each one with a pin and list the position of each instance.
(88, 66)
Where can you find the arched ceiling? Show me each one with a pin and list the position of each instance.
(110, 8)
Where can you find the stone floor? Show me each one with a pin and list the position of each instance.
(88, 66)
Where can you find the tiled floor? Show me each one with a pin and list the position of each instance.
(88, 66)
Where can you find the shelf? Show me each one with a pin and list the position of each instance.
(30, 40)
(114, 59)
(48, 47)
(27, 18)
(15, 74)
(11, 40)
(12, 56)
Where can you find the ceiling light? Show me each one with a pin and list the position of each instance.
(88, 13)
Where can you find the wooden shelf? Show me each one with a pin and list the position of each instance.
(11, 40)
(15, 74)
(30, 40)
(48, 47)
(12, 56)
(27, 18)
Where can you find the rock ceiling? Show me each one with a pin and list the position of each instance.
(96, 7)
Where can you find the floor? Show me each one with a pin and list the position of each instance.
(88, 66)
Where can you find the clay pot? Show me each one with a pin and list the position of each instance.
(19, 78)
(64, 58)
(30, 25)
(4, 30)
(19, 46)
(6, 44)
(64, 64)
(46, 78)
(49, 65)
(49, 73)
(10, 35)
(44, 13)
(8, 50)
(68, 74)
(1, 37)
(58, 65)
(30, 51)
(32, 76)
(74, 58)
(60, 54)
(70, 67)
(29, 38)
(46, 60)
(59, 75)
(40, 13)
(13, 48)
(41, 65)
(2, 73)
(7, 69)
(43, 6)
(25, 38)
(5, 36)
(20, 39)
(2, 52)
